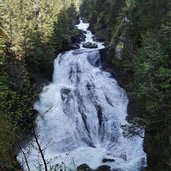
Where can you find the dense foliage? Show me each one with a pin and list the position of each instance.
(31, 35)
(144, 28)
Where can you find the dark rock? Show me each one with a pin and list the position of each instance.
(107, 160)
(79, 36)
(90, 45)
(65, 91)
(84, 20)
(100, 39)
(94, 38)
(84, 32)
(77, 20)
(99, 36)
(82, 35)
(76, 37)
(70, 46)
(75, 46)
(82, 39)
(87, 45)
(94, 46)
(84, 167)
(103, 168)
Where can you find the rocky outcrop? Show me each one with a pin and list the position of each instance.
(84, 20)
(75, 46)
(90, 45)
(70, 46)
(99, 37)
(78, 37)
(82, 36)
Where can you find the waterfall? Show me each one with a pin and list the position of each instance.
(81, 115)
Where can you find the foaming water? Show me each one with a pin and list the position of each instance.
(81, 114)
(89, 36)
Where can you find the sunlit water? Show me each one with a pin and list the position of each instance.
(81, 113)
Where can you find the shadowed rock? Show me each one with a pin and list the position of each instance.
(75, 46)
(107, 160)
(103, 168)
(90, 45)
(85, 167)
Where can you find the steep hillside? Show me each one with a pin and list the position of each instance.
(31, 35)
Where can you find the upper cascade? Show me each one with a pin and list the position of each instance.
(88, 36)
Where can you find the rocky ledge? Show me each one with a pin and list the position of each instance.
(90, 45)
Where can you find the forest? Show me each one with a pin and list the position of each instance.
(32, 33)
(137, 34)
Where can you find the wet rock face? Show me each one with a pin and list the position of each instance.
(75, 46)
(99, 37)
(90, 45)
(84, 20)
(82, 36)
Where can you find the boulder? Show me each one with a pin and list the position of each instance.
(84, 20)
(90, 45)
(83, 32)
(84, 167)
(103, 168)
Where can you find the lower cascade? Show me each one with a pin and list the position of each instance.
(81, 117)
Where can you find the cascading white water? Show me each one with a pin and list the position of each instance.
(81, 114)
